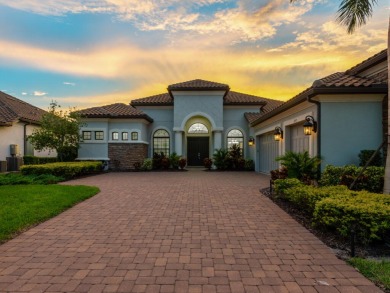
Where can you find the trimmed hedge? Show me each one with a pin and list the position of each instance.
(367, 213)
(337, 208)
(282, 185)
(65, 169)
(371, 180)
(32, 160)
(306, 197)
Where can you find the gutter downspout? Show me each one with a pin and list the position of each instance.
(24, 139)
(309, 99)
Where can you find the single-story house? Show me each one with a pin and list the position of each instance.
(343, 114)
(18, 119)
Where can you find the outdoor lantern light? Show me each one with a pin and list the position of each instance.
(310, 125)
(278, 133)
(251, 141)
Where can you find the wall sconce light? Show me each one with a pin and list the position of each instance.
(278, 133)
(310, 125)
(251, 141)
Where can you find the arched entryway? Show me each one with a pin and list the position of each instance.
(198, 132)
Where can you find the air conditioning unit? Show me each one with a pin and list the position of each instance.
(3, 166)
(14, 150)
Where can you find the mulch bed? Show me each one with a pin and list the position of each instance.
(339, 245)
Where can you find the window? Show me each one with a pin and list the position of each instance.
(125, 136)
(235, 137)
(198, 128)
(161, 142)
(115, 136)
(99, 135)
(134, 136)
(87, 135)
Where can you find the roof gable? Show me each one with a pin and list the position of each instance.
(12, 109)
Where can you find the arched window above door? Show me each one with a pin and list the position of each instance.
(198, 128)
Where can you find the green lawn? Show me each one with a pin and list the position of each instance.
(377, 271)
(23, 206)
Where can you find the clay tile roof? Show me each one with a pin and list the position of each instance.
(198, 84)
(234, 98)
(341, 79)
(252, 116)
(161, 99)
(117, 110)
(12, 109)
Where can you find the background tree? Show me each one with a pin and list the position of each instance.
(59, 131)
(353, 14)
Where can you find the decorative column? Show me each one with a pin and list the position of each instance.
(179, 142)
(217, 139)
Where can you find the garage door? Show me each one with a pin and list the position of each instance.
(299, 142)
(268, 151)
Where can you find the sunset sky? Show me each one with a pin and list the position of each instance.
(96, 52)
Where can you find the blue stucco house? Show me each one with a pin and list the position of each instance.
(343, 114)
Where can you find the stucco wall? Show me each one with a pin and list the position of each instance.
(348, 128)
(15, 135)
(206, 104)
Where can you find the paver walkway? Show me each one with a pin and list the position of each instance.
(174, 232)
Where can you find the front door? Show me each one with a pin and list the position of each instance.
(197, 150)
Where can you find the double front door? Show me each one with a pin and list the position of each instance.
(197, 150)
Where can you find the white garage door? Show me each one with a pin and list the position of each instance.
(299, 142)
(268, 151)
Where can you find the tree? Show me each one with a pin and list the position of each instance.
(59, 131)
(353, 14)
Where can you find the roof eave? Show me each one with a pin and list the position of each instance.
(146, 117)
(152, 104)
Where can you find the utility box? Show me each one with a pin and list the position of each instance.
(14, 150)
(14, 163)
(3, 166)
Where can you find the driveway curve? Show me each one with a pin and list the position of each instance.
(189, 231)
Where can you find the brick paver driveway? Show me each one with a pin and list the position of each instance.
(174, 232)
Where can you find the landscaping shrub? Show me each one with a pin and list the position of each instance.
(137, 166)
(280, 173)
(365, 155)
(182, 163)
(300, 165)
(32, 160)
(165, 163)
(19, 179)
(249, 165)
(147, 165)
(281, 185)
(220, 158)
(305, 197)
(157, 160)
(367, 213)
(371, 180)
(67, 170)
(174, 160)
(207, 162)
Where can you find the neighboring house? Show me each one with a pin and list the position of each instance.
(18, 119)
(196, 117)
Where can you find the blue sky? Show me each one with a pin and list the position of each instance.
(89, 53)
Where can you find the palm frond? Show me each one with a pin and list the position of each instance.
(354, 13)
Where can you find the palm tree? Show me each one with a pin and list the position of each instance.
(353, 14)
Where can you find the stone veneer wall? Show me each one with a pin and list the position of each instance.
(124, 155)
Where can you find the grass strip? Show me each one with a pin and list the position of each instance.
(376, 271)
(23, 206)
